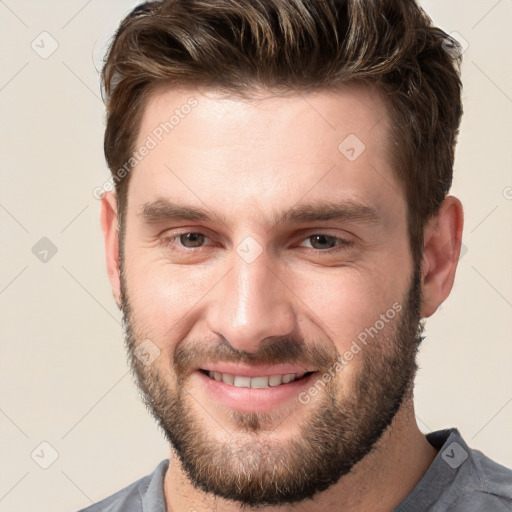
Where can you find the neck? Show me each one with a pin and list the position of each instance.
(379, 482)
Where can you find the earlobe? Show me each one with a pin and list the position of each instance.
(108, 219)
(442, 245)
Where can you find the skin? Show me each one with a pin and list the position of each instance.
(242, 159)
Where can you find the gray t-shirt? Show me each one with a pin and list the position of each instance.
(459, 480)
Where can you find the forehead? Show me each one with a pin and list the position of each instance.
(264, 151)
(228, 118)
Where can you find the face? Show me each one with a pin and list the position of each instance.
(267, 277)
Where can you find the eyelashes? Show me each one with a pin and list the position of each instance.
(196, 239)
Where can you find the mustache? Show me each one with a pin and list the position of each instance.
(190, 355)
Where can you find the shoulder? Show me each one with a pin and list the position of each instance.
(477, 501)
(479, 483)
(495, 477)
(460, 479)
(131, 498)
(491, 489)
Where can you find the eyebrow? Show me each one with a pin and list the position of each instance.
(163, 210)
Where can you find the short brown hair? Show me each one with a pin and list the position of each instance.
(297, 45)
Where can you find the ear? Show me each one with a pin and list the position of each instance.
(108, 219)
(441, 250)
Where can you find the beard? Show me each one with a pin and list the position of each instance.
(250, 465)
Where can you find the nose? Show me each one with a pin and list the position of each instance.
(251, 303)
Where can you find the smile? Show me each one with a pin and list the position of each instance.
(252, 389)
(264, 381)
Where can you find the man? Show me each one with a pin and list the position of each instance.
(280, 226)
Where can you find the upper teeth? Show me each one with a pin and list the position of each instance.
(254, 382)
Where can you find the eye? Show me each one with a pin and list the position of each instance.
(318, 241)
(189, 240)
(322, 242)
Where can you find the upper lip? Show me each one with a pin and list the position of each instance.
(245, 370)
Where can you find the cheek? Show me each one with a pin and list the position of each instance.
(163, 297)
(346, 303)
(334, 303)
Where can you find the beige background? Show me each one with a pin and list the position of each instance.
(64, 379)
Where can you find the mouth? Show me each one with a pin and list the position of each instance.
(259, 382)
(253, 389)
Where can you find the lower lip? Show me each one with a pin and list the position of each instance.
(253, 399)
